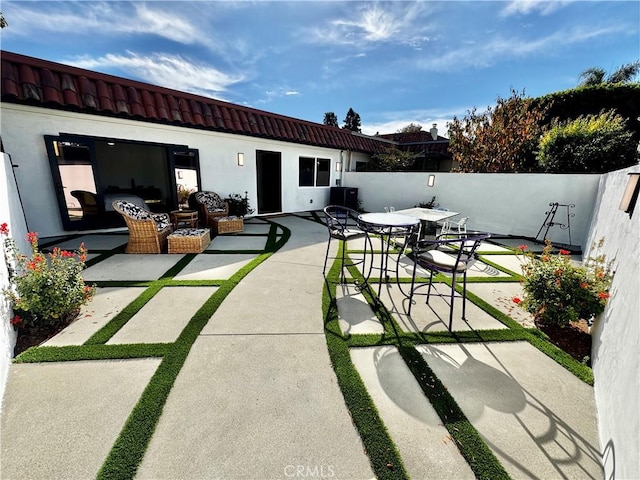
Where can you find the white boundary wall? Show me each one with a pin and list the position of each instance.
(505, 203)
(11, 214)
(616, 336)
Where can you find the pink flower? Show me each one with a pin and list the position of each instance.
(32, 237)
(4, 229)
(516, 300)
(522, 247)
(603, 295)
(16, 320)
(565, 252)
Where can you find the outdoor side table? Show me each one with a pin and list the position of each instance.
(189, 240)
(187, 217)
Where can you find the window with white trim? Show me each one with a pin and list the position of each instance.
(314, 172)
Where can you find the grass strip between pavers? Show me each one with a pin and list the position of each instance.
(129, 449)
(74, 353)
(384, 458)
(478, 455)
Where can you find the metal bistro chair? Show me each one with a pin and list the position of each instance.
(343, 224)
(453, 256)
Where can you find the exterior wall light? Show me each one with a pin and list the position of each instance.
(432, 181)
(630, 195)
(338, 166)
(240, 159)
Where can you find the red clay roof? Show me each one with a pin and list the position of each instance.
(32, 81)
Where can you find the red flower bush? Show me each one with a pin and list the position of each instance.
(558, 292)
(45, 289)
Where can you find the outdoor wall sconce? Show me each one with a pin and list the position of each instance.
(241, 159)
(630, 195)
(432, 181)
(338, 166)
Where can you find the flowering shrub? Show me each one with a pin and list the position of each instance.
(45, 289)
(558, 292)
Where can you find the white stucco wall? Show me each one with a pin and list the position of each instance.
(23, 128)
(616, 336)
(11, 214)
(513, 204)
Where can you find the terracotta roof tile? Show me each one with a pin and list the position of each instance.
(51, 85)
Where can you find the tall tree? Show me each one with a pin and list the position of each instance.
(597, 76)
(330, 119)
(411, 128)
(503, 139)
(3, 22)
(352, 121)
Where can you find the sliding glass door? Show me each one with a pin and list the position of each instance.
(90, 173)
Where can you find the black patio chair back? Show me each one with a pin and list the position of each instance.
(342, 224)
(452, 256)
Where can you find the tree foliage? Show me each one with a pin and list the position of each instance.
(352, 121)
(502, 139)
(411, 128)
(590, 143)
(330, 119)
(597, 76)
(392, 160)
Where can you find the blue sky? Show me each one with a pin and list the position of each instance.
(393, 62)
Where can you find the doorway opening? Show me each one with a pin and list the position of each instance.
(269, 181)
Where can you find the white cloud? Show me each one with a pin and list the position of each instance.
(401, 23)
(500, 48)
(171, 71)
(525, 7)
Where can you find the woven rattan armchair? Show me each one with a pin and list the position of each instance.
(211, 206)
(148, 231)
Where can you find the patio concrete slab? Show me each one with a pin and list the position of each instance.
(354, 312)
(255, 407)
(434, 316)
(261, 228)
(237, 242)
(500, 295)
(510, 262)
(538, 418)
(105, 305)
(214, 266)
(492, 247)
(276, 298)
(132, 267)
(164, 317)
(60, 420)
(425, 445)
(95, 242)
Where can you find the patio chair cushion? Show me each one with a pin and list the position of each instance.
(441, 259)
(162, 219)
(211, 201)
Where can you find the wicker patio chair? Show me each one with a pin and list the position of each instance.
(211, 206)
(148, 231)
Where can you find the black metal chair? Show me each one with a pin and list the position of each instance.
(343, 224)
(452, 256)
